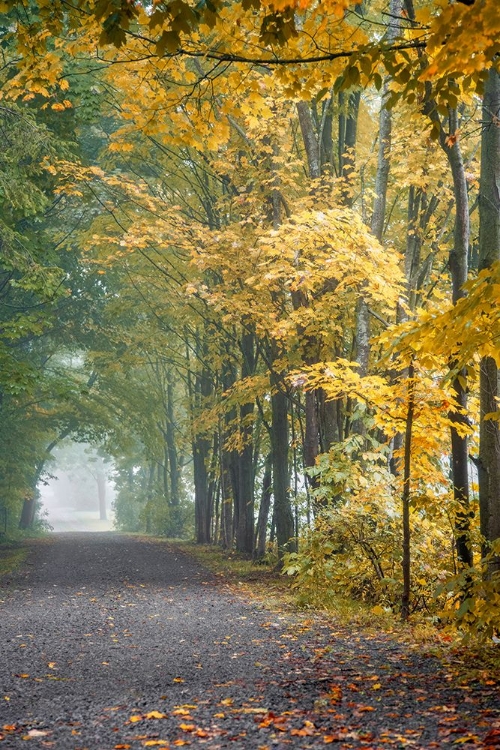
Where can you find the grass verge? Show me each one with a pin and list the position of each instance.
(12, 556)
(262, 582)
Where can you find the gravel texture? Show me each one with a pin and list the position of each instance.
(112, 641)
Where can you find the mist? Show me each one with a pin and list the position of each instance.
(78, 494)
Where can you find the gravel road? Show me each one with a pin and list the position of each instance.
(112, 641)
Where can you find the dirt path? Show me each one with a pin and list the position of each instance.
(109, 641)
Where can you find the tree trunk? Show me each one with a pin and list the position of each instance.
(199, 391)
(489, 253)
(265, 505)
(281, 469)
(101, 492)
(173, 461)
(459, 270)
(245, 495)
(385, 134)
(406, 562)
(348, 128)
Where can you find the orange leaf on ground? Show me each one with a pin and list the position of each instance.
(335, 693)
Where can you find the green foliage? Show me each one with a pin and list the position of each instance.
(141, 504)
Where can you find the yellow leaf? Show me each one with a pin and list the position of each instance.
(135, 718)
(156, 715)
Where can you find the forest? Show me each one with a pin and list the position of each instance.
(250, 252)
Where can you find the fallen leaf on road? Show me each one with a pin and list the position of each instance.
(492, 739)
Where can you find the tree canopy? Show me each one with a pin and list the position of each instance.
(251, 250)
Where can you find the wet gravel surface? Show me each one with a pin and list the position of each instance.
(109, 641)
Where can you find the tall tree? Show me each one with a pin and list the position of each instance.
(489, 253)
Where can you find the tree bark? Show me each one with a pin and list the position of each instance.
(245, 496)
(264, 507)
(281, 470)
(101, 492)
(489, 253)
(406, 562)
(459, 271)
(348, 129)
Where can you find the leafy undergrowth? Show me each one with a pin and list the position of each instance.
(263, 583)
